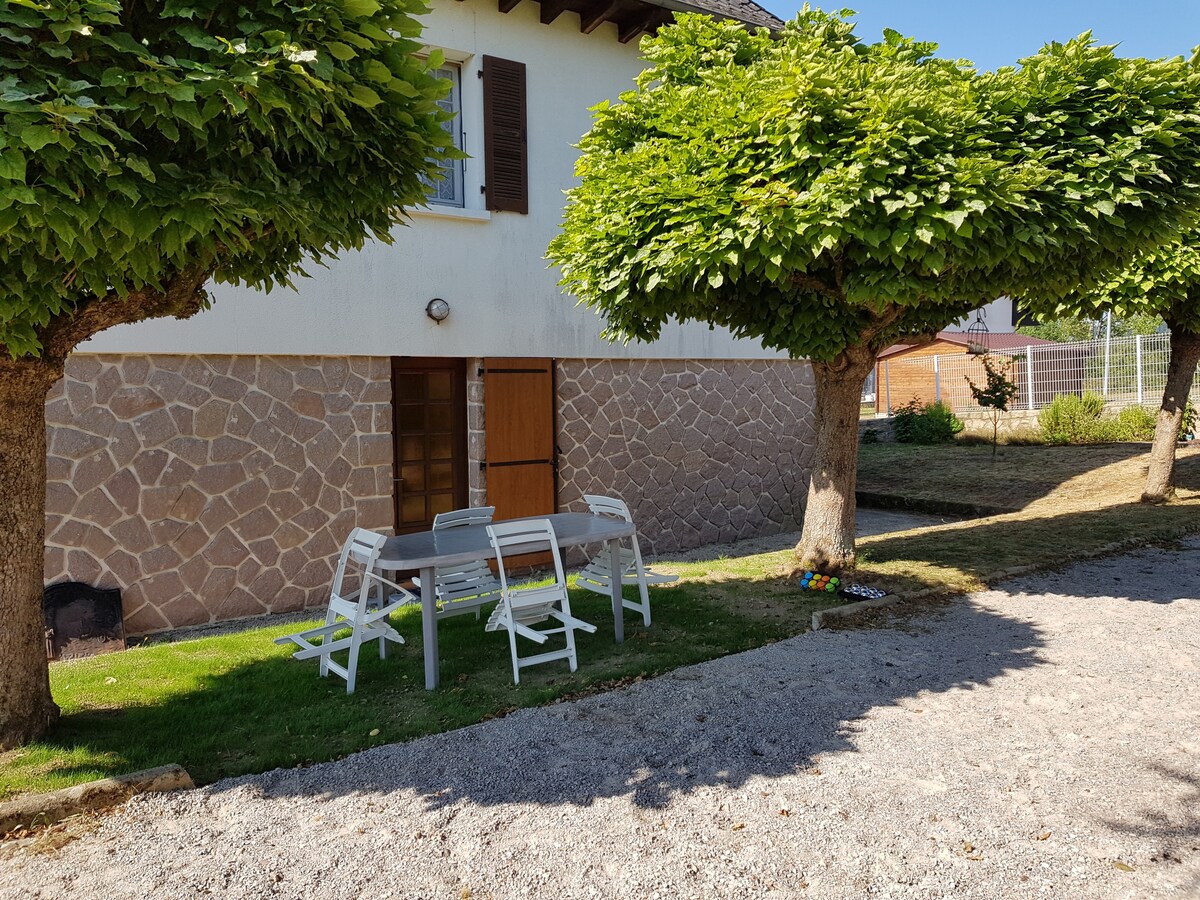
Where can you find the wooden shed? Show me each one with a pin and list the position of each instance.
(940, 370)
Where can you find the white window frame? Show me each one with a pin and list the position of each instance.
(455, 171)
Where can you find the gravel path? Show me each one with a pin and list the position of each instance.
(1040, 740)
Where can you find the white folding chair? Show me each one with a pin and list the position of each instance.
(468, 586)
(597, 574)
(521, 607)
(364, 609)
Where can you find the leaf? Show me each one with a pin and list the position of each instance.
(361, 9)
(141, 167)
(341, 51)
(377, 71)
(35, 137)
(183, 92)
(12, 164)
(955, 217)
(364, 96)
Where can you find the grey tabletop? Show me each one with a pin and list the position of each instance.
(470, 542)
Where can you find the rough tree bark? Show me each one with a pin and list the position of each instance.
(26, 707)
(827, 542)
(1185, 355)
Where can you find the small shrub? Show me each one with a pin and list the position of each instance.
(1079, 420)
(1135, 423)
(870, 436)
(925, 423)
(1187, 428)
(904, 420)
(1070, 418)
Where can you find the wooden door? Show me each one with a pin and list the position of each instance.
(429, 408)
(519, 427)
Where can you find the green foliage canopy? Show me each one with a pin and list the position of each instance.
(1072, 328)
(819, 193)
(236, 138)
(1163, 283)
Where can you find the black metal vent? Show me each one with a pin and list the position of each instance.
(82, 620)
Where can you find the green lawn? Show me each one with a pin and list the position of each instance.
(235, 704)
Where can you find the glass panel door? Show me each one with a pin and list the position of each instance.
(429, 400)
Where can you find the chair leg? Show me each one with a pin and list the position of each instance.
(643, 592)
(572, 659)
(352, 663)
(330, 618)
(512, 643)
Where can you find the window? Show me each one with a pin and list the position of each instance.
(449, 191)
(1021, 316)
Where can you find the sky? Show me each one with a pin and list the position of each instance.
(995, 33)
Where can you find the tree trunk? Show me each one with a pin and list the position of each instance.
(827, 543)
(1185, 355)
(26, 708)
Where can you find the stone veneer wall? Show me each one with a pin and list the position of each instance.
(214, 487)
(701, 450)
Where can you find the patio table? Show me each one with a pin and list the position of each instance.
(427, 550)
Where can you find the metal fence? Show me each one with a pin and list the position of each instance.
(1124, 371)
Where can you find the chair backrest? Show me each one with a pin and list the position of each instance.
(608, 506)
(476, 515)
(359, 555)
(521, 537)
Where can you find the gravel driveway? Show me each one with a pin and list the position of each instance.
(1039, 740)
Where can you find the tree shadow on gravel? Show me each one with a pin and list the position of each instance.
(769, 713)
(1131, 576)
(1173, 821)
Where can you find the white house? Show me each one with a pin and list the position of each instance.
(1001, 316)
(211, 468)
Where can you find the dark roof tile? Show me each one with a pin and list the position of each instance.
(741, 10)
(993, 341)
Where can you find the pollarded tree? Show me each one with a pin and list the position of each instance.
(146, 147)
(830, 197)
(1163, 283)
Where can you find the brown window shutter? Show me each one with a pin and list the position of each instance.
(506, 156)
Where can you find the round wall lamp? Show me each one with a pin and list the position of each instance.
(437, 309)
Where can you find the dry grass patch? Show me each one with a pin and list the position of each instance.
(1070, 502)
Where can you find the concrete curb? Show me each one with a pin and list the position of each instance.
(46, 809)
(821, 618)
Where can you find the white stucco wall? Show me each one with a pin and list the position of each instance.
(488, 266)
(997, 316)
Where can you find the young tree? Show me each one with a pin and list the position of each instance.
(996, 392)
(829, 197)
(1163, 283)
(148, 147)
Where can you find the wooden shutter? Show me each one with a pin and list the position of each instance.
(522, 469)
(518, 399)
(506, 155)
